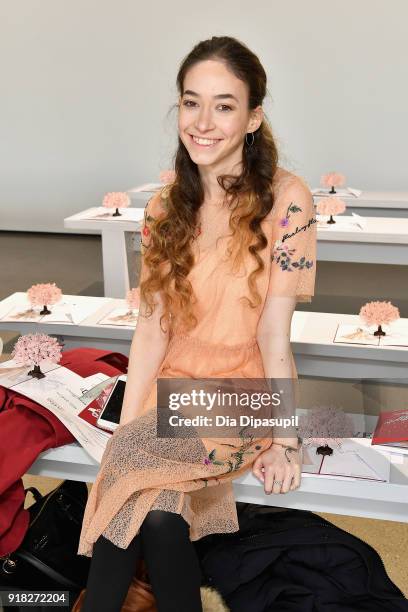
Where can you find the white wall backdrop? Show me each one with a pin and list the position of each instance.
(86, 86)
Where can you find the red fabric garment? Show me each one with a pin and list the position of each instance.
(27, 429)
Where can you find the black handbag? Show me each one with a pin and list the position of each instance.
(47, 558)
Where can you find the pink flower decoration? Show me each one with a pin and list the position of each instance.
(32, 349)
(44, 294)
(325, 425)
(133, 298)
(379, 313)
(167, 176)
(332, 179)
(330, 206)
(116, 199)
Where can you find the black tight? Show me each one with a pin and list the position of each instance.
(171, 562)
(110, 575)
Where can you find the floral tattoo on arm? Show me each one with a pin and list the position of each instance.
(292, 208)
(145, 233)
(282, 254)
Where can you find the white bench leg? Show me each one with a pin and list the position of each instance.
(115, 265)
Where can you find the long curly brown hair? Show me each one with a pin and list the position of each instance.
(169, 257)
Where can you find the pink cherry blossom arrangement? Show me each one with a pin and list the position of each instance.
(167, 176)
(379, 313)
(133, 298)
(32, 349)
(325, 427)
(332, 179)
(116, 199)
(330, 206)
(44, 294)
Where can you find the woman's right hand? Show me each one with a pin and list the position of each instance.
(272, 465)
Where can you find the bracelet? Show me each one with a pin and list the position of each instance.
(289, 448)
(300, 442)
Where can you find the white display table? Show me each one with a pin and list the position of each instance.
(316, 355)
(369, 204)
(311, 337)
(87, 333)
(114, 254)
(382, 241)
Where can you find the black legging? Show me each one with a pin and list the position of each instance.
(171, 562)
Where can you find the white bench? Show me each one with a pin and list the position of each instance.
(388, 501)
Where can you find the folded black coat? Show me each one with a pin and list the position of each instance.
(294, 560)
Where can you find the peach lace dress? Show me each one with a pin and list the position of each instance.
(193, 476)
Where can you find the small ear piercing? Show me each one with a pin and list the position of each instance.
(252, 141)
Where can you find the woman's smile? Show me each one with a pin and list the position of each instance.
(204, 142)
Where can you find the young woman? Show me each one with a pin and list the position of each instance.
(228, 249)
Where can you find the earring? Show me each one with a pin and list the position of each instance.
(252, 141)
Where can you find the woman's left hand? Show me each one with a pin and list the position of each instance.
(277, 468)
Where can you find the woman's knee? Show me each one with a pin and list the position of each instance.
(165, 526)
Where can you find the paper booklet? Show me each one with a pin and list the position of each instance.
(355, 458)
(396, 335)
(343, 223)
(392, 430)
(121, 316)
(65, 394)
(106, 214)
(71, 310)
(348, 192)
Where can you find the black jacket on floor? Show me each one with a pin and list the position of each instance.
(295, 561)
